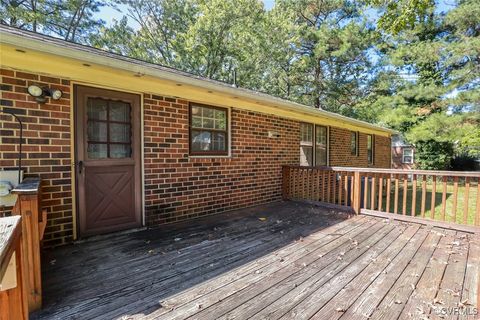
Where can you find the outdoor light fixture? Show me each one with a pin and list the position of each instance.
(40, 94)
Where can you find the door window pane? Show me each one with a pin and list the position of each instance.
(97, 151)
(120, 150)
(119, 111)
(119, 132)
(97, 131)
(97, 109)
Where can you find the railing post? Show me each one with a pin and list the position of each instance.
(285, 182)
(33, 225)
(357, 183)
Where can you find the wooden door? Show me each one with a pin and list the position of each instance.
(108, 160)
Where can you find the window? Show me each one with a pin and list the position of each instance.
(321, 145)
(208, 130)
(407, 156)
(109, 132)
(354, 143)
(370, 148)
(306, 144)
(313, 154)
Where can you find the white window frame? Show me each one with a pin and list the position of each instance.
(411, 156)
(313, 144)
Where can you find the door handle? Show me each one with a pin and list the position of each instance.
(80, 166)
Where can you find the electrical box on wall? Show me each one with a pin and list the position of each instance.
(273, 134)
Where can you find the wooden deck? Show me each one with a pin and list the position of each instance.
(300, 262)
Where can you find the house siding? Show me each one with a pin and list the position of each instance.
(47, 145)
(176, 186)
(340, 153)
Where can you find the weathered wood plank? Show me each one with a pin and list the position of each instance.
(322, 267)
(423, 296)
(287, 295)
(450, 290)
(470, 296)
(366, 304)
(10, 231)
(331, 243)
(164, 279)
(311, 304)
(345, 298)
(265, 267)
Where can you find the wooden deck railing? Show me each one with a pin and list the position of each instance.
(447, 196)
(21, 290)
(13, 294)
(33, 226)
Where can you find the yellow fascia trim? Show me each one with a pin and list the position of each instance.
(99, 75)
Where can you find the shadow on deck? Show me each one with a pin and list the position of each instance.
(301, 261)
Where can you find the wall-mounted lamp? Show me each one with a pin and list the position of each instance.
(41, 94)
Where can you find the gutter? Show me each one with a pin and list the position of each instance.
(46, 44)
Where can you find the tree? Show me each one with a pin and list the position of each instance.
(71, 20)
(398, 15)
(331, 43)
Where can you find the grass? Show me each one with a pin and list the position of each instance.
(449, 203)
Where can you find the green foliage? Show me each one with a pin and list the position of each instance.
(72, 20)
(399, 15)
(433, 155)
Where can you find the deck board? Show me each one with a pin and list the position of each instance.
(301, 262)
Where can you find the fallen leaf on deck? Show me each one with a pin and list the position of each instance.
(262, 219)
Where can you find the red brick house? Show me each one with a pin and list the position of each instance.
(403, 153)
(121, 143)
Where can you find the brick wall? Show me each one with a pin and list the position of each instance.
(340, 154)
(46, 149)
(177, 187)
(397, 159)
